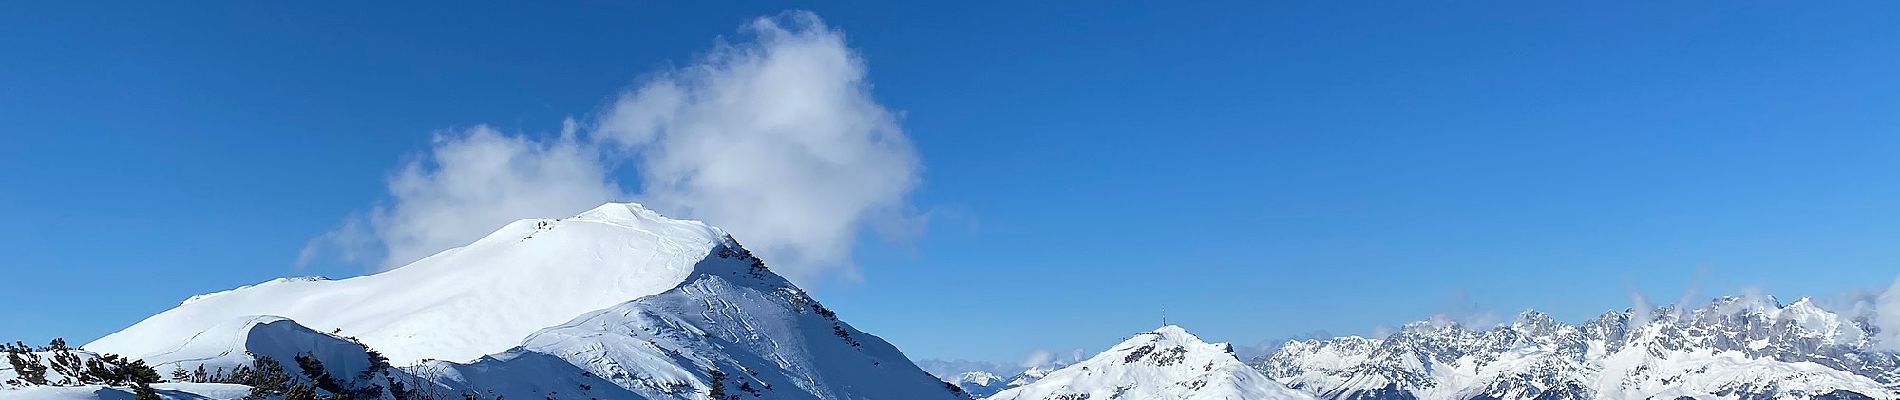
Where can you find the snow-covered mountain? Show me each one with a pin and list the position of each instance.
(732, 328)
(239, 342)
(1033, 373)
(615, 303)
(979, 383)
(1733, 348)
(466, 302)
(1167, 363)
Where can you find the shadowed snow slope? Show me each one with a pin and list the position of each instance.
(227, 346)
(465, 302)
(733, 328)
(1168, 363)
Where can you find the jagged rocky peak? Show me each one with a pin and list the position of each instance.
(1731, 347)
(1536, 323)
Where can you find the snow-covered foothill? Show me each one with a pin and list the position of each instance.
(240, 341)
(615, 303)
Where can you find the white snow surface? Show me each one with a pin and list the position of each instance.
(465, 302)
(766, 337)
(239, 341)
(1167, 363)
(167, 391)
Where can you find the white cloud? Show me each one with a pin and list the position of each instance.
(470, 183)
(1886, 317)
(1382, 331)
(1038, 358)
(1048, 359)
(778, 140)
(1641, 311)
(774, 137)
(1461, 310)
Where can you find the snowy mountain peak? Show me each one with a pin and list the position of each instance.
(1172, 338)
(635, 214)
(469, 301)
(979, 378)
(1166, 363)
(1536, 323)
(1175, 333)
(615, 302)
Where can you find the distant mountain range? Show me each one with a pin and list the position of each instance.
(1731, 348)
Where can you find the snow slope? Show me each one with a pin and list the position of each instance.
(1167, 363)
(55, 374)
(616, 303)
(1733, 348)
(466, 302)
(732, 328)
(225, 347)
(239, 341)
(168, 391)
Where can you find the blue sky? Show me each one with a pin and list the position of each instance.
(1260, 170)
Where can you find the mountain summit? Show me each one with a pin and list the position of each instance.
(465, 302)
(1167, 363)
(617, 302)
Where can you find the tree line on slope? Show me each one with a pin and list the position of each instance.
(266, 376)
(105, 369)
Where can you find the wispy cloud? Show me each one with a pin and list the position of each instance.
(1886, 316)
(1038, 358)
(1462, 310)
(1641, 310)
(1046, 359)
(773, 135)
(778, 139)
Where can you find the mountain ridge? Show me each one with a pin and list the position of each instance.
(1733, 347)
